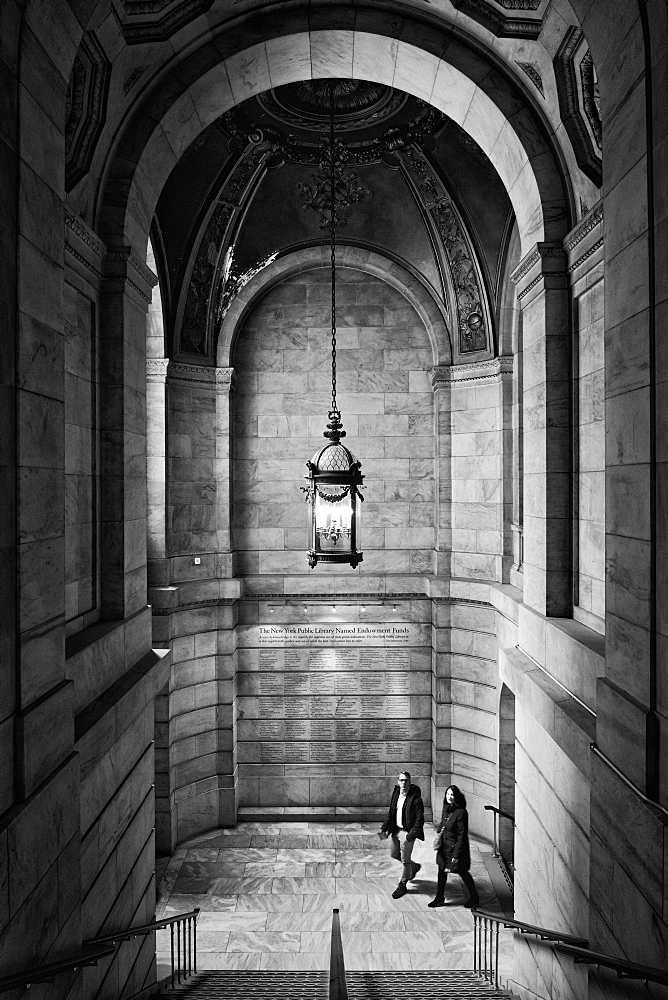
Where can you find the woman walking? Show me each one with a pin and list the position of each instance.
(453, 853)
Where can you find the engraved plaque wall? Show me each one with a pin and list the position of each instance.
(328, 694)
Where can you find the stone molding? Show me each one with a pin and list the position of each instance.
(85, 247)
(156, 20)
(584, 227)
(543, 259)
(220, 379)
(477, 371)
(156, 369)
(86, 107)
(532, 70)
(586, 239)
(577, 104)
(507, 18)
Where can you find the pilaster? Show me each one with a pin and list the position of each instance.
(542, 290)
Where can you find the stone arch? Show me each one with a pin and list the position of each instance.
(490, 111)
(395, 274)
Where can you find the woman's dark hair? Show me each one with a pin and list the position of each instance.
(460, 800)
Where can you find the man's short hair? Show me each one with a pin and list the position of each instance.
(407, 773)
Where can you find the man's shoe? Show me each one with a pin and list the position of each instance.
(400, 891)
(471, 904)
(416, 868)
(436, 902)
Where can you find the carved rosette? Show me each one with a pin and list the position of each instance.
(86, 107)
(470, 300)
(197, 318)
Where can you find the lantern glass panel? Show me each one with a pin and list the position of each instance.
(333, 521)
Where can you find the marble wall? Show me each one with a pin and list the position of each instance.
(283, 363)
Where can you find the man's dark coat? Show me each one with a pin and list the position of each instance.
(413, 814)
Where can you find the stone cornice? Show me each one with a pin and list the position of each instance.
(475, 372)
(84, 246)
(584, 227)
(543, 259)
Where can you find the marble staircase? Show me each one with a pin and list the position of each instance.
(452, 984)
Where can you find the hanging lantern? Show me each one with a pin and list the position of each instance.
(335, 479)
(334, 497)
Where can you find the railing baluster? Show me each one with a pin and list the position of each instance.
(171, 937)
(178, 951)
(496, 962)
(195, 936)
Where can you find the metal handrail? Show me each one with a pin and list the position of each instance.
(47, 973)
(337, 969)
(624, 969)
(185, 949)
(486, 941)
(96, 948)
(595, 749)
(495, 811)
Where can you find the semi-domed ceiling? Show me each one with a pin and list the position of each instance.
(404, 161)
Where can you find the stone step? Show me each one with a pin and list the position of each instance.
(316, 814)
(233, 984)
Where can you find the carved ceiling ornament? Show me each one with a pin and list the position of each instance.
(156, 20)
(577, 87)
(507, 18)
(86, 107)
(467, 291)
(201, 300)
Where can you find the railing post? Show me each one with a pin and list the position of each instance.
(496, 958)
(195, 936)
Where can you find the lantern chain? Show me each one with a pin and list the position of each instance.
(332, 236)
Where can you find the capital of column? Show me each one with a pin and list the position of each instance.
(221, 379)
(121, 268)
(156, 369)
(444, 375)
(543, 260)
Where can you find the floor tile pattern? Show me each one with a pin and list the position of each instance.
(266, 893)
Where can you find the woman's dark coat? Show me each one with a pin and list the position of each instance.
(455, 841)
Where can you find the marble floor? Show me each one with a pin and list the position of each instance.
(266, 893)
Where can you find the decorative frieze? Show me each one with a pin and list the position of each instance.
(477, 371)
(586, 239)
(467, 290)
(203, 291)
(532, 71)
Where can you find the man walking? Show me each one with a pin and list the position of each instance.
(404, 825)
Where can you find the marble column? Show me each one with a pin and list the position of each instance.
(542, 287)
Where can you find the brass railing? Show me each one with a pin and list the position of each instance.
(184, 947)
(337, 969)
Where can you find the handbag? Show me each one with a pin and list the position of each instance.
(438, 841)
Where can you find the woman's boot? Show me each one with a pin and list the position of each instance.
(439, 898)
(474, 898)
